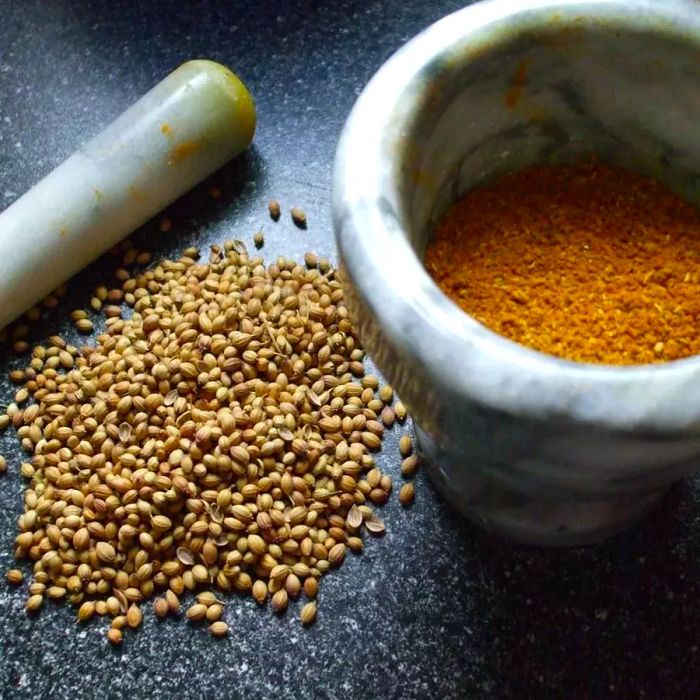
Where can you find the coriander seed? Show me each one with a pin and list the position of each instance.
(34, 603)
(279, 600)
(401, 412)
(308, 613)
(409, 466)
(407, 494)
(221, 437)
(274, 209)
(14, 576)
(218, 629)
(298, 217)
(114, 636)
(196, 612)
(134, 616)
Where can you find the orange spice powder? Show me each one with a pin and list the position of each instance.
(586, 262)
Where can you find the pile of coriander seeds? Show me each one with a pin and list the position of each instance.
(219, 436)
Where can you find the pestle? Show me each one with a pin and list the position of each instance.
(186, 127)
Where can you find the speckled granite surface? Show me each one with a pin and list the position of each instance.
(435, 608)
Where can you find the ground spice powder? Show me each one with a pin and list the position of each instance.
(586, 262)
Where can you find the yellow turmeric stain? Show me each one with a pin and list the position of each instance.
(421, 177)
(63, 231)
(182, 151)
(517, 85)
(99, 195)
(167, 130)
(136, 194)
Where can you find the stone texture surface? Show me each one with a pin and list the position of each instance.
(434, 609)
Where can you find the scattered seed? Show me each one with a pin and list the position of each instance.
(196, 612)
(34, 603)
(184, 554)
(165, 224)
(173, 601)
(401, 412)
(218, 629)
(388, 416)
(311, 587)
(292, 585)
(160, 607)
(78, 315)
(122, 600)
(112, 604)
(409, 466)
(17, 376)
(298, 217)
(279, 600)
(354, 519)
(336, 555)
(375, 525)
(112, 311)
(355, 544)
(84, 325)
(173, 423)
(14, 576)
(260, 591)
(273, 207)
(214, 612)
(105, 552)
(134, 616)
(208, 598)
(56, 592)
(259, 239)
(86, 611)
(124, 432)
(308, 613)
(407, 494)
(114, 636)
(405, 445)
(3, 461)
(378, 496)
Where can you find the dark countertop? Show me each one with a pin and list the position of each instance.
(434, 609)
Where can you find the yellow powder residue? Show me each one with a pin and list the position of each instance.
(517, 86)
(136, 194)
(182, 150)
(586, 262)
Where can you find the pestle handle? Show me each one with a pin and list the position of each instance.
(186, 127)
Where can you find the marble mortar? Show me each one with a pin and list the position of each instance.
(539, 449)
